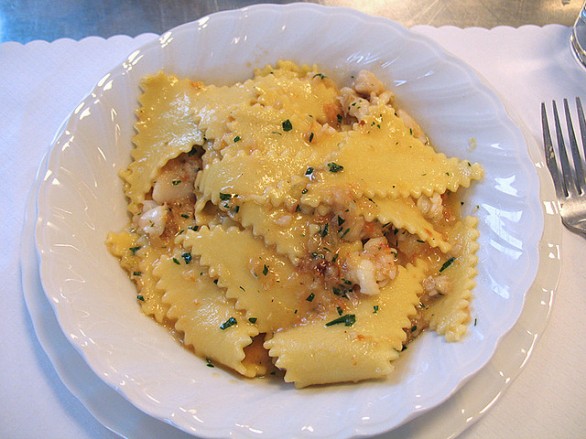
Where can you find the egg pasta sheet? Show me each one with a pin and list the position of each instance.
(290, 226)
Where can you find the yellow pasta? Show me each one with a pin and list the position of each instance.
(383, 158)
(262, 282)
(286, 223)
(450, 314)
(165, 129)
(279, 227)
(404, 214)
(200, 311)
(281, 158)
(139, 261)
(332, 350)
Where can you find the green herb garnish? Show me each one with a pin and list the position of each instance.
(447, 264)
(334, 167)
(230, 322)
(287, 126)
(347, 320)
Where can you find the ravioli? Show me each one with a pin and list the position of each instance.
(286, 225)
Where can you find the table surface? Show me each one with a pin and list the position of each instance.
(27, 20)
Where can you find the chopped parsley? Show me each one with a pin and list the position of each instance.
(230, 322)
(225, 197)
(186, 257)
(209, 363)
(447, 264)
(334, 167)
(176, 261)
(265, 270)
(309, 171)
(133, 250)
(310, 297)
(324, 231)
(287, 126)
(176, 182)
(319, 75)
(375, 309)
(252, 319)
(140, 297)
(340, 291)
(236, 139)
(347, 320)
(310, 137)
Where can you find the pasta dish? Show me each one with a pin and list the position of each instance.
(286, 225)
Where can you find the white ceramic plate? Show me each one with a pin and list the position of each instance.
(81, 199)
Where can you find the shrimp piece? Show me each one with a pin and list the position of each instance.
(431, 208)
(176, 181)
(153, 220)
(434, 285)
(352, 104)
(385, 98)
(367, 83)
(373, 267)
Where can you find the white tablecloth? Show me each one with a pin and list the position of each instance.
(42, 82)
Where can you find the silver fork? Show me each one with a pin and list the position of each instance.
(569, 177)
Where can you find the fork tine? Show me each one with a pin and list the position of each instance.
(567, 180)
(579, 174)
(582, 124)
(550, 159)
